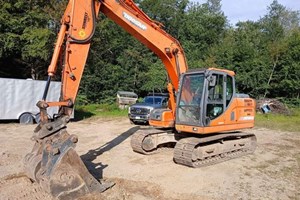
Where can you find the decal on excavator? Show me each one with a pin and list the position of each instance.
(85, 20)
(247, 118)
(134, 21)
(81, 33)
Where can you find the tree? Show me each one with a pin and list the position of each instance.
(288, 78)
(276, 25)
(264, 53)
(26, 37)
(203, 27)
(169, 13)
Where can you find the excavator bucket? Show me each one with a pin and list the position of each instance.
(55, 165)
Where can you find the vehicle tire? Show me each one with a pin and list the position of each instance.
(26, 118)
(133, 122)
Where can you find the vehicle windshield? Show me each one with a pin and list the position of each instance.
(152, 100)
(190, 98)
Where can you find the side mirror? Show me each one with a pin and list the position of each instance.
(212, 80)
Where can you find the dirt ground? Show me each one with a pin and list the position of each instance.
(272, 172)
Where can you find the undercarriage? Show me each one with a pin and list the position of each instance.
(194, 151)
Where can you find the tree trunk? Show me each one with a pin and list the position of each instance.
(271, 75)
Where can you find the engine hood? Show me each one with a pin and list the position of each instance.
(146, 105)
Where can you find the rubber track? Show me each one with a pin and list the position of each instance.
(184, 150)
(137, 140)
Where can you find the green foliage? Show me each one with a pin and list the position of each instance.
(156, 78)
(203, 27)
(81, 100)
(248, 60)
(293, 103)
(26, 40)
(36, 43)
(99, 110)
(170, 13)
(264, 53)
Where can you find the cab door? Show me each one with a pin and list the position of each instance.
(219, 93)
(189, 99)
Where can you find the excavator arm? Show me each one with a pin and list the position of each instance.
(78, 27)
(53, 162)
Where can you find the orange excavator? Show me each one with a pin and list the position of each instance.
(201, 122)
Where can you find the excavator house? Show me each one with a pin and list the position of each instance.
(202, 123)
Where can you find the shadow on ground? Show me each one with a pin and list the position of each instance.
(96, 169)
(80, 114)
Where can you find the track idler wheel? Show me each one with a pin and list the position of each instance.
(55, 165)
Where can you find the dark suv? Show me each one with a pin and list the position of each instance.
(139, 113)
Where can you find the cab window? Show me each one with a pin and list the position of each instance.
(215, 97)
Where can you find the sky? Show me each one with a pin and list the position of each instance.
(243, 10)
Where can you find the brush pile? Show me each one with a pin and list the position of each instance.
(272, 105)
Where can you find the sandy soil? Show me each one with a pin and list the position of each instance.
(272, 172)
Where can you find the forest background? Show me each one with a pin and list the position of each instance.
(265, 54)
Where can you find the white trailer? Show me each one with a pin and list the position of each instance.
(18, 98)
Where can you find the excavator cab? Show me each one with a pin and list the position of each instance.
(207, 99)
(203, 96)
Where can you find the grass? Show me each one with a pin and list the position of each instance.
(279, 121)
(98, 110)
